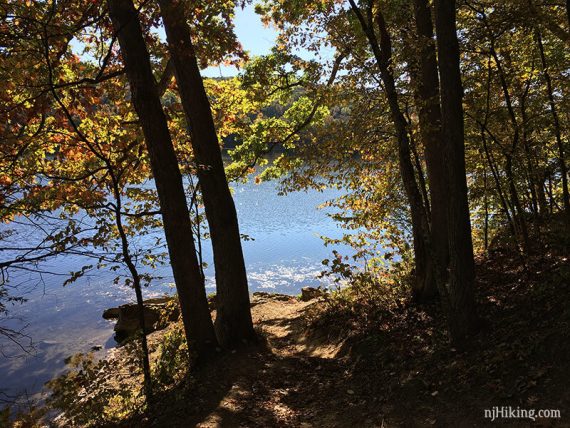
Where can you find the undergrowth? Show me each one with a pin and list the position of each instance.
(367, 299)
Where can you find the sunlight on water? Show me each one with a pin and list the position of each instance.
(284, 255)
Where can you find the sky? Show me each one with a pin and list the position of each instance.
(255, 38)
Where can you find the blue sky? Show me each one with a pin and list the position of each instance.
(255, 38)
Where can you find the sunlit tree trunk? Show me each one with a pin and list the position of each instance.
(175, 215)
(460, 287)
(233, 320)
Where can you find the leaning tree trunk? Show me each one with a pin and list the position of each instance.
(460, 287)
(518, 212)
(382, 50)
(233, 321)
(196, 317)
(430, 131)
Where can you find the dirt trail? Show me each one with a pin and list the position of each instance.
(401, 373)
(290, 381)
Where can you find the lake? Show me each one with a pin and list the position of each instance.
(284, 255)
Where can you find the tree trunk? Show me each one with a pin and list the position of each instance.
(419, 170)
(233, 321)
(136, 285)
(532, 176)
(541, 195)
(486, 207)
(518, 212)
(196, 317)
(460, 287)
(494, 171)
(382, 51)
(556, 123)
(430, 130)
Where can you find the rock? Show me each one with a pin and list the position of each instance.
(264, 297)
(127, 317)
(310, 293)
(111, 313)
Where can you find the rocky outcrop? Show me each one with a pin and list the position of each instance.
(310, 293)
(157, 314)
(264, 297)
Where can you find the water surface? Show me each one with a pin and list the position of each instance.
(284, 255)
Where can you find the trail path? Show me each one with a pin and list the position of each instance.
(290, 381)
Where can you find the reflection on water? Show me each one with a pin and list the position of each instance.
(284, 256)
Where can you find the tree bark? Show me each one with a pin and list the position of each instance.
(196, 317)
(430, 130)
(233, 321)
(460, 286)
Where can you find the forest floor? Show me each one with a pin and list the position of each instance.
(314, 370)
(405, 373)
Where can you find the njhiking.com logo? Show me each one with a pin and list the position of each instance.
(508, 412)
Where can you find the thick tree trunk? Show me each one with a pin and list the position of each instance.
(177, 226)
(460, 287)
(430, 130)
(233, 320)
